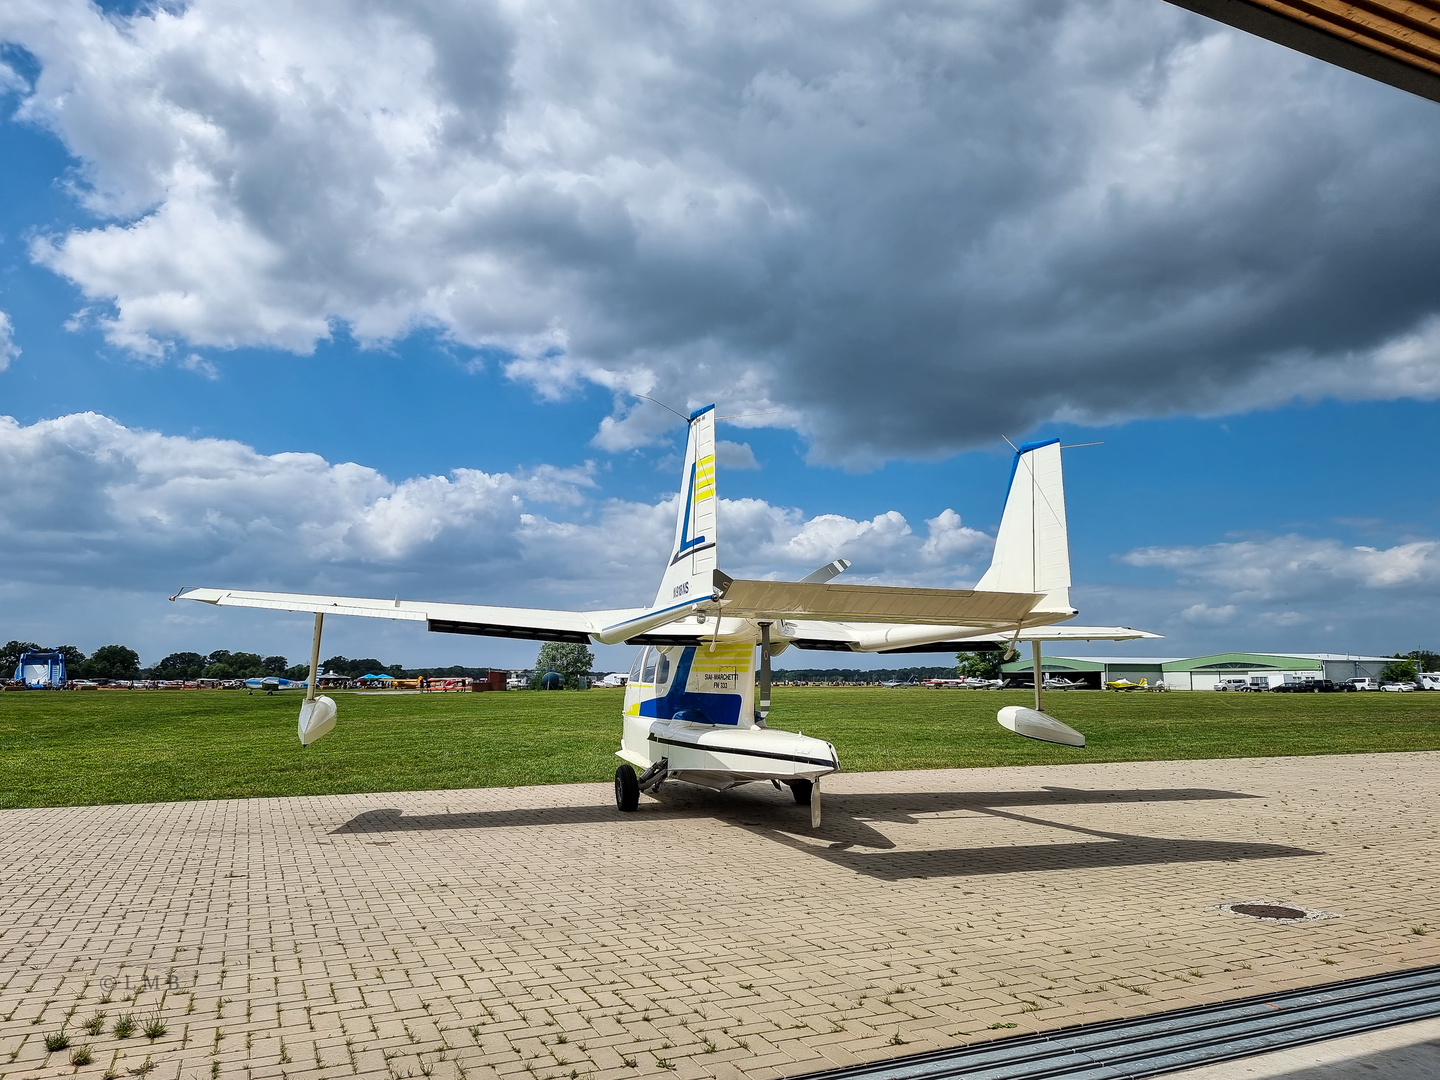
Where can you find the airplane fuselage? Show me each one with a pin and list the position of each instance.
(693, 708)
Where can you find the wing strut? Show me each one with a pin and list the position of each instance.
(1039, 675)
(315, 657)
(764, 707)
(317, 714)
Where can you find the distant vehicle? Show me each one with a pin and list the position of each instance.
(1429, 680)
(1053, 683)
(1126, 684)
(615, 679)
(912, 681)
(1235, 684)
(1362, 684)
(1309, 686)
(1398, 687)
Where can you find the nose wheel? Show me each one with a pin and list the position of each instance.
(627, 789)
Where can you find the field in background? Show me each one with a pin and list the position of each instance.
(67, 749)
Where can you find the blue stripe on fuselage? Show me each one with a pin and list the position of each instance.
(682, 704)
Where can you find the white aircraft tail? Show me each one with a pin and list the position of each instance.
(1032, 548)
(690, 573)
(689, 577)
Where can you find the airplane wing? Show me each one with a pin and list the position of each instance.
(916, 638)
(535, 624)
(873, 603)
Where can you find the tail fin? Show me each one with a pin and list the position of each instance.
(690, 576)
(1032, 548)
(690, 571)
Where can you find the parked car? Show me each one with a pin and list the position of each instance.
(1362, 684)
(1309, 686)
(1398, 687)
(1234, 683)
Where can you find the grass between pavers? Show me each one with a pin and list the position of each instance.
(88, 748)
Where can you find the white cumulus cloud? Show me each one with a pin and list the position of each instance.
(8, 349)
(1298, 566)
(88, 505)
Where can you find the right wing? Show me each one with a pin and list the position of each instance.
(859, 637)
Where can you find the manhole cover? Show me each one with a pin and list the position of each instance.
(1269, 911)
(1274, 912)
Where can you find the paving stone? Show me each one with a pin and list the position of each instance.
(402, 921)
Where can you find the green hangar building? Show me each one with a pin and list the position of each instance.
(1200, 672)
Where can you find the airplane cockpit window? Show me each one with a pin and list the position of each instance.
(662, 669)
(647, 674)
(635, 668)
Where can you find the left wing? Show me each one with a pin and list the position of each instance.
(536, 624)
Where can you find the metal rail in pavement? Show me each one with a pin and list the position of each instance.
(1166, 1042)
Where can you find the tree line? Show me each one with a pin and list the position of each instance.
(123, 663)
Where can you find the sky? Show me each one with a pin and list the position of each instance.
(361, 297)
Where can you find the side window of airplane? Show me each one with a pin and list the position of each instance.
(636, 667)
(662, 669)
(647, 665)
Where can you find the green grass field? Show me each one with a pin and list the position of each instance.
(70, 749)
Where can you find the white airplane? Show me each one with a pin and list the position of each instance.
(272, 683)
(694, 708)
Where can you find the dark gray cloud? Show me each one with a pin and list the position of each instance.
(906, 227)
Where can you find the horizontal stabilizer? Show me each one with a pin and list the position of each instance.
(874, 604)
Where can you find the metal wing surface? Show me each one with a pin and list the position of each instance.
(875, 604)
(536, 624)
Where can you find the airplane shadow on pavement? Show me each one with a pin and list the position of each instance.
(847, 837)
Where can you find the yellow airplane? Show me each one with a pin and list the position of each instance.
(1126, 684)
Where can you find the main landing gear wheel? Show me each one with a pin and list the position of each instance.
(802, 790)
(627, 789)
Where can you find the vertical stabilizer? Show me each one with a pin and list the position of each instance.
(1032, 548)
(689, 575)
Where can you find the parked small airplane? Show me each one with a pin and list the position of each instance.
(272, 683)
(1054, 682)
(1128, 684)
(694, 708)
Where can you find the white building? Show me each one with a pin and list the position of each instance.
(1204, 672)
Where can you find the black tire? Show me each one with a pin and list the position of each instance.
(802, 790)
(627, 789)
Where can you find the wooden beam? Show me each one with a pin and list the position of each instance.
(1394, 41)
